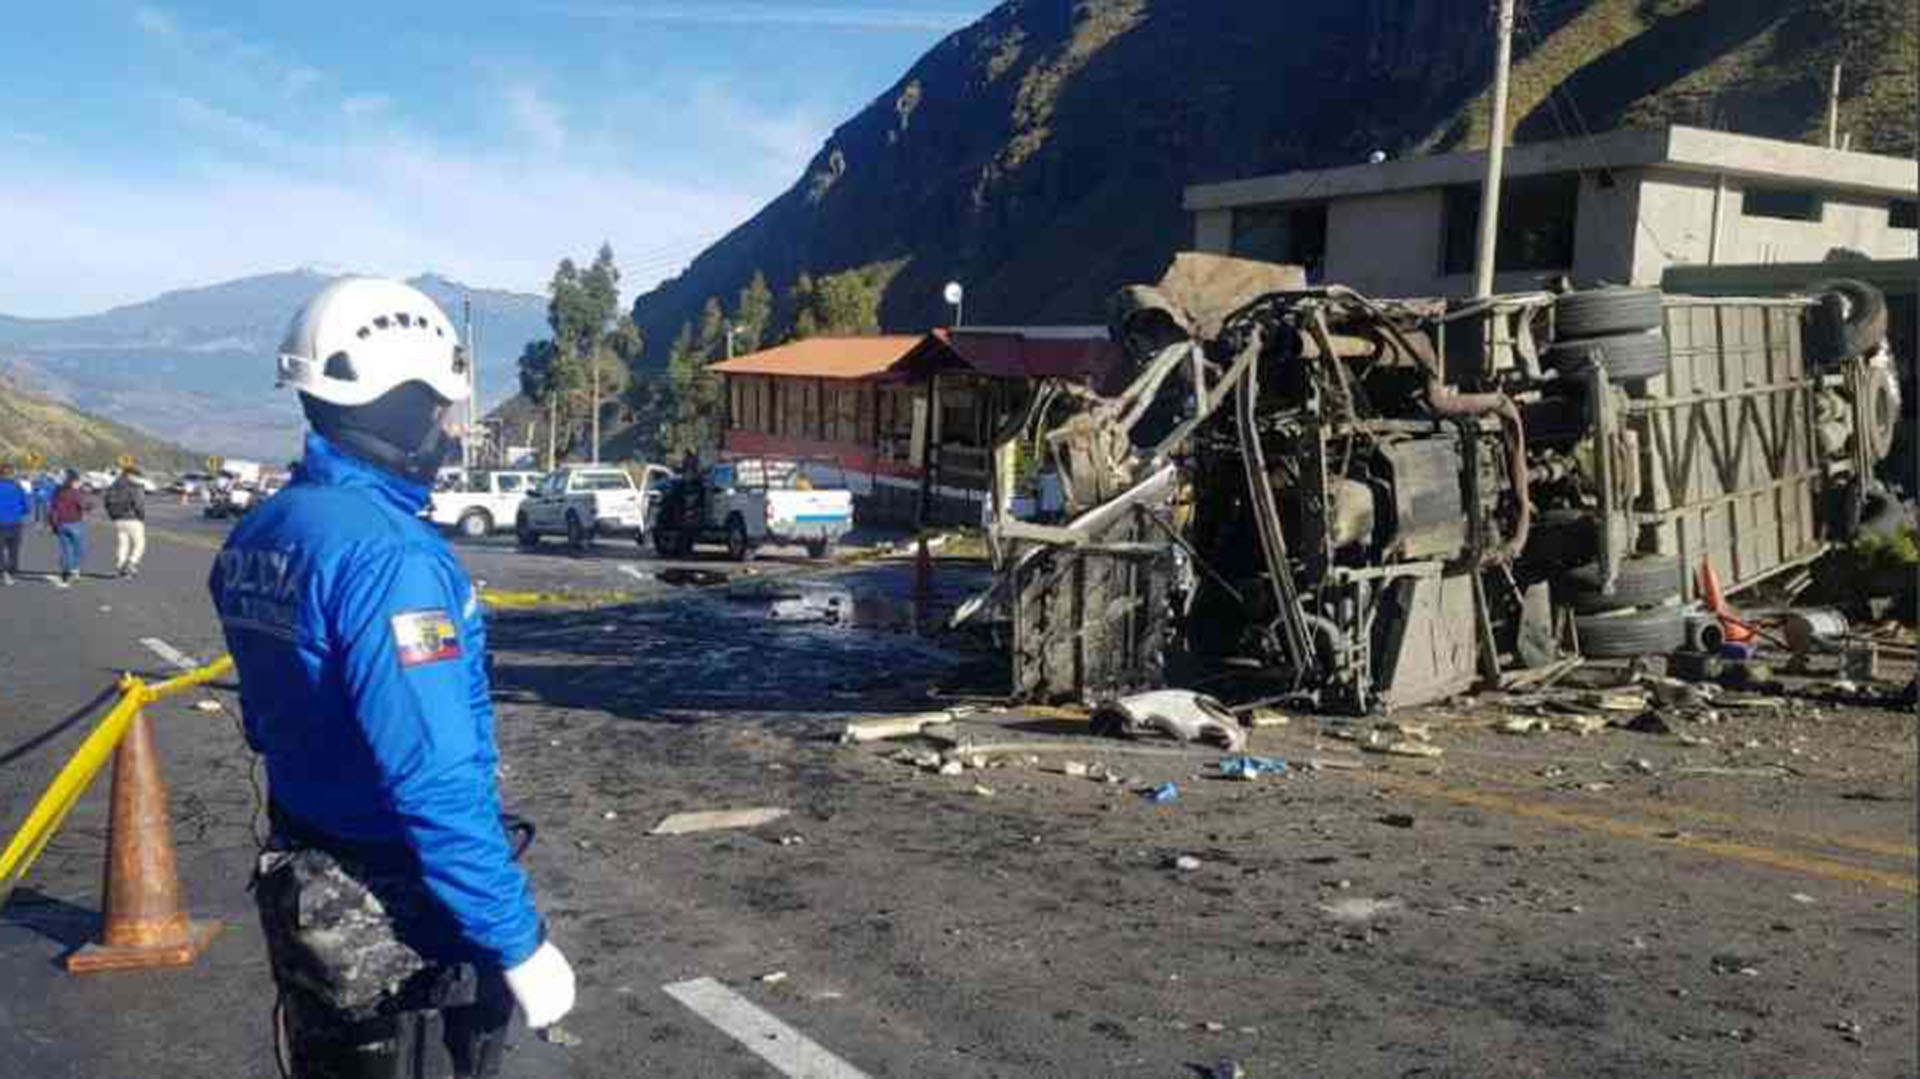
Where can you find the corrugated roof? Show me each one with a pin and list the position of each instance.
(824, 357)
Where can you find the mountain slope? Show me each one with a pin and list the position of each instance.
(65, 436)
(1039, 155)
(195, 365)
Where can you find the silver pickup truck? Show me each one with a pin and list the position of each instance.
(586, 502)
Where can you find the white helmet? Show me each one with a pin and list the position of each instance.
(362, 336)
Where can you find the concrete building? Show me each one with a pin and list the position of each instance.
(1620, 207)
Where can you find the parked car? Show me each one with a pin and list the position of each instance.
(486, 501)
(749, 504)
(584, 502)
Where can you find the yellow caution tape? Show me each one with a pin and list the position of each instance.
(78, 773)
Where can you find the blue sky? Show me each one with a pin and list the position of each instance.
(149, 146)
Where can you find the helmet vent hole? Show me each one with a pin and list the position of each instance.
(381, 322)
(364, 333)
(340, 366)
(405, 320)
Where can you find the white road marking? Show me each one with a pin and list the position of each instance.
(793, 1053)
(171, 654)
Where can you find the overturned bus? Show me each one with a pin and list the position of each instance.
(1365, 504)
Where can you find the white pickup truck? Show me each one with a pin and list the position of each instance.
(482, 502)
(584, 502)
(748, 504)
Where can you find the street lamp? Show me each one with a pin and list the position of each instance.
(957, 298)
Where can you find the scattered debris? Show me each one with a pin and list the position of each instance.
(1186, 863)
(696, 578)
(982, 790)
(1360, 908)
(1076, 769)
(773, 977)
(208, 705)
(558, 1035)
(1649, 723)
(881, 728)
(1803, 898)
(716, 819)
(1335, 764)
(1523, 725)
(951, 768)
(1407, 749)
(1398, 820)
(1162, 793)
(1266, 717)
(1187, 716)
(792, 840)
(1251, 768)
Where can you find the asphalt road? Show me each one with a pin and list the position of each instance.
(1732, 899)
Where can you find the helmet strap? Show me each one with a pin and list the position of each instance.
(398, 432)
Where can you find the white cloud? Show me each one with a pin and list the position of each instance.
(228, 126)
(392, 201)
(154, 21)
(358, 106)
(851, 16)
(535, 118)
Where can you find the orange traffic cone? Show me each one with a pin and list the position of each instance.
(140, 895)
(1735, 631)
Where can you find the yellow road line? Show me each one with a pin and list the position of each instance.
(1778, 859)
(1677, 812)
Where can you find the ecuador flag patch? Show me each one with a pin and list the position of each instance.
(423, 637)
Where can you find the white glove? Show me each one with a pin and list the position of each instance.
(543, 986)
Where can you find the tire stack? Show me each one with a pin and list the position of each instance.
(1620, 329)
(1643, 616)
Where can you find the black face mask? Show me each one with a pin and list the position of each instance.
(398, 431)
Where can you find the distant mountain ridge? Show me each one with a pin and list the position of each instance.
(195, 365)
(1039, 155)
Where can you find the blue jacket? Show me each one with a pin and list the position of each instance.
(16, 504)
(361, 650)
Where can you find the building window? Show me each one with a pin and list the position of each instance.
(1900, 215)
(1785, 203)
(1537, 219)
(1295, 235)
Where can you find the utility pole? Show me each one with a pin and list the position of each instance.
(473, 359)
(1496, 154)
(596, 403)
(1833, 109)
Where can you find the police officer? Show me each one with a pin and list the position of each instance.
(400, 929)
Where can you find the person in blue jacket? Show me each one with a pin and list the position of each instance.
(15, 505)
(398, 924)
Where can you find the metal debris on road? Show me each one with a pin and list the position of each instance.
(773, 977)
(716, 819)
(558, 1035)
(1250, 768)
(1186, 863)
(1183, 714)
(207, 705)
(1162, 793)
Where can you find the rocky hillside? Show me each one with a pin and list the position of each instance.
(67, 437)
(1039, 155)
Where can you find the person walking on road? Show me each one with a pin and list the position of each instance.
(126, 505)
(400, 928)
(43, 488)
(16, 505)
(67, 519)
